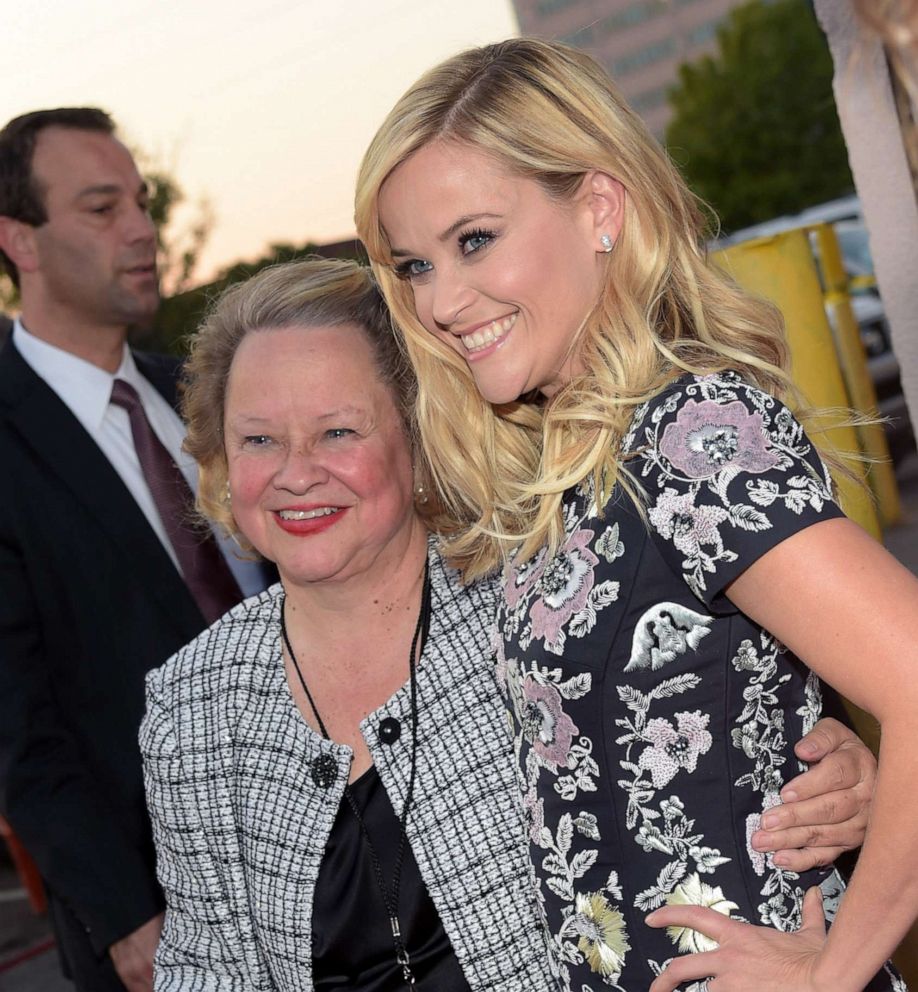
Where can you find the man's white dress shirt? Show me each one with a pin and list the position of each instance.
(86, 391)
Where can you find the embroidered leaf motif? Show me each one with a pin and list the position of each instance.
(674, 686)
(583, 861)
(671, 875)
(565, 833)
(795, 501)
(582, 622)
(604, 593)
(613, 887)
(763, 491)
(566, 787)
(561, 887)
(576, 687)
(554, 864)
(747, 518)
(649, 899)
(707, 858)
(587, 825)
(609, 545)
(633, 698)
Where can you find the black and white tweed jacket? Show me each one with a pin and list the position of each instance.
(240, 821)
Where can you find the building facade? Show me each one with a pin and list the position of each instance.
(640, 42)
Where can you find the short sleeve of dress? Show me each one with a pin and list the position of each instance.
(728, 474)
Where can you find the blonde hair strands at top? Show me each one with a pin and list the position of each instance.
(314, 292)
(549, 113)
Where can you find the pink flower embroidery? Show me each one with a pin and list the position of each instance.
(565, 587)
(545, 725)
(672, 748)
(534, 811)
(760, 859)
(686, 525)
(708, 436)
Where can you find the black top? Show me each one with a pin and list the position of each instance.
(352, 944)
(654, 721)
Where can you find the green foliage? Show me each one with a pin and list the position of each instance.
(754, 126)
(178, 244)
(9, 295)
(179, 315)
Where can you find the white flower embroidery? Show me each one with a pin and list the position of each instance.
(665, 632)
(694, 892)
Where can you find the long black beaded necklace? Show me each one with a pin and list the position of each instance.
(389, 895)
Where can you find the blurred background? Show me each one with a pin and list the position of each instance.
(250, 119)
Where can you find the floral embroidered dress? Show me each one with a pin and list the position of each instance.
(654, 723)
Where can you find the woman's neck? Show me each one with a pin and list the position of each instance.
(373, 603)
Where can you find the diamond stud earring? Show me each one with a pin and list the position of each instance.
(607, 243)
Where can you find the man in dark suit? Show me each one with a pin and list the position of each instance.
(95, 588)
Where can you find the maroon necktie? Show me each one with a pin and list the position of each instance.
(202, 565)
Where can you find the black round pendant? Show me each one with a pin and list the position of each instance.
(324, 770)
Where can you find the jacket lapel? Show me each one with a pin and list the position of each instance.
(58, 442)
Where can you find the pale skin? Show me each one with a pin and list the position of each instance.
(89, 271)
(133, 955)
(835, 598)
(327, 435)
(830, 593)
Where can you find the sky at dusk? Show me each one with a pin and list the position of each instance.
(263, 108)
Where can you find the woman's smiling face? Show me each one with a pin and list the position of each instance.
(501, 272)
(318, 459)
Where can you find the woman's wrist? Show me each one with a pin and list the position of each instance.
(831, 975)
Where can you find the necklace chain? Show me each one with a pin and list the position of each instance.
(389, 895)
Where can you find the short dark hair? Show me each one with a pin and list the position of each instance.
(21, 197)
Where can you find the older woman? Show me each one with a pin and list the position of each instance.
(606, 414)
(328, 767)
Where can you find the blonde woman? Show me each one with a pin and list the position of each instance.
(609, 420)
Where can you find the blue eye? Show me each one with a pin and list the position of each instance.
(472, 241)
(256, 440)
(338, 432)
(412, 268)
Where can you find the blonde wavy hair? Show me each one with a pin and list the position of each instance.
(314, 292)
(550, 114)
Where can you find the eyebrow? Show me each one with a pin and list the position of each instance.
(332, 414)
(108, 189)
(254, 420)
(449, 232)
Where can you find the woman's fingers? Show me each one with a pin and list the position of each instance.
(748, 958)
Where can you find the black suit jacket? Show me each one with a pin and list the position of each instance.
(89, 602)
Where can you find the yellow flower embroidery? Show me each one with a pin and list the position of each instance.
(603, 939)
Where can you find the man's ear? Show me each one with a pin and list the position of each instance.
(604, 198)
(17, 239)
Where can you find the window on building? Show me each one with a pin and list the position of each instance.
(649, 99)
(550, 6)
(625, 64)
(633, 14)
(704, 32)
